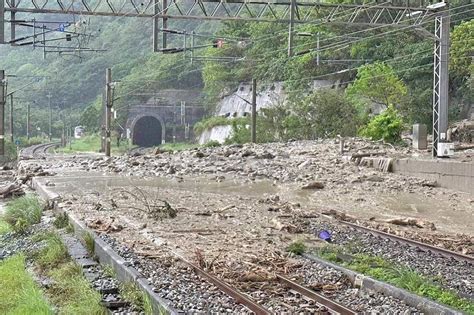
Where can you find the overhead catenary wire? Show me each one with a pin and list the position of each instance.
(322, 48)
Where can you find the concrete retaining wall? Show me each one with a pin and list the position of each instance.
(447, 173)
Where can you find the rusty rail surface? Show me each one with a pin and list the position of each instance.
(430, 248)
(43, 148)
(238, 296)
(334, 308)
(258, 309)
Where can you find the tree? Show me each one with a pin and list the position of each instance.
(462, 49)
(378, 83)
(91, 115)
(386, 126)
(326, 113)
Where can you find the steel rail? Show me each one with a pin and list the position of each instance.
(238, 296)
(44, 147)
(331, 305)
(427, 247)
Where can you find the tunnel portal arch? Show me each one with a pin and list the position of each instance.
(148, 130)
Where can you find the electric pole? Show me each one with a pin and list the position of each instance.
(11, 118)
(108, 109)
(254, 111)
(50, 116)
(2, 112)
(291, 27)
(28, 120)
(156, 26)
(2, 22)
(63, 137)
(317, 49)
(12, 25)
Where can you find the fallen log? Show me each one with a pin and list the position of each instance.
(11, 190)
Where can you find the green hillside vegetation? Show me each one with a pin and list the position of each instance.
(397, 74)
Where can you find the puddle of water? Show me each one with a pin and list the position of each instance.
(196, 184)
(410, 203)
(439, 211)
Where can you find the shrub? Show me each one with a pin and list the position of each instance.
(386, 126)
(212, 144)
(297, 248)
(209, 123)
(54, 253)
(23, 212)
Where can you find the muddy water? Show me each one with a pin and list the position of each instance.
(431, 208)
(196, 184)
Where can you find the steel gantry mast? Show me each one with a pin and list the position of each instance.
(440, 81)
(406, 15)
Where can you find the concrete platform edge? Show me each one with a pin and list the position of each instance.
(424, 304)
(104, 253)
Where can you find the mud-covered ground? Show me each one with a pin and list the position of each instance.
(253, 197)
(243, 205)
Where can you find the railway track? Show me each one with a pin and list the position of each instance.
(37, 150)
(276, 294)
(317, 302)
(448, 269)
(423, 246)
(138, 151)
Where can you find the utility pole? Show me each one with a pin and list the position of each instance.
(254, 111)
(165, 23)
(2, 22)
(12, 24)
(441, 79)
(291, 27)
(63, 137)
(156, 26)
(2, 112)
(11, 118)
(317, 49)
(50, 116)
(192, 47)
(108, 109)
(28, 120)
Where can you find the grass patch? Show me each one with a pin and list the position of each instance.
(19, 293)
(92, 143)
(297, 248)
(23, 212)
(61, 221)
(72, 293)
(54, 253)
(109, 271)
(212, 144)
(399, 276)
(139, 299)
(4, 227)
(89, 242)
(179, 146)
(209, 123)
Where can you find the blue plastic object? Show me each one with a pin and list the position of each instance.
(325, 235)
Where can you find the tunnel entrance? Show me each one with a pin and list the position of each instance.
(147, 132)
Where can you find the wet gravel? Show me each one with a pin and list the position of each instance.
(291, 162)
(179, 284)
(14, 243)
(336, 286)
(447, 272)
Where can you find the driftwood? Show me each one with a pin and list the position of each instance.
(11, 190)
(338, 215)
(313, 185)
(411, 222)
(361, 155)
